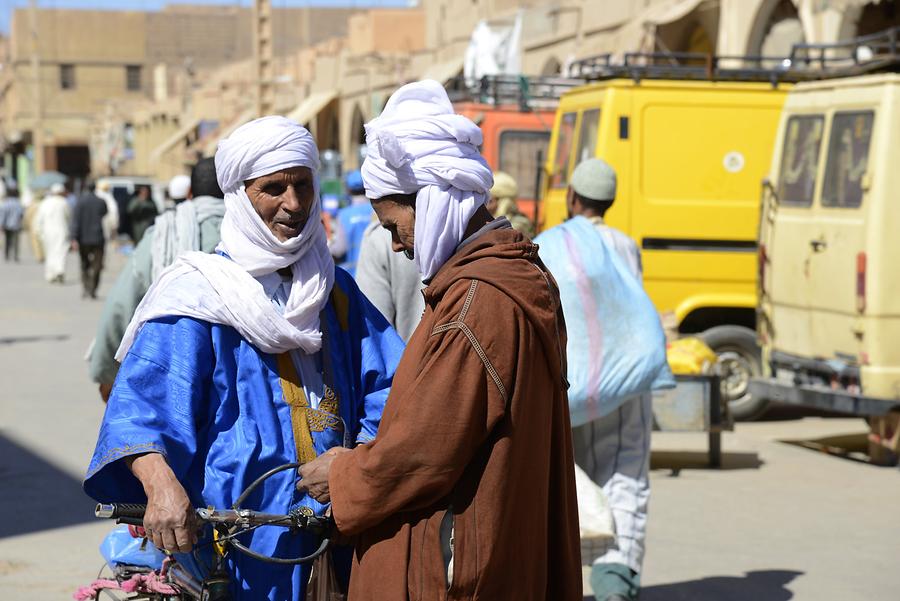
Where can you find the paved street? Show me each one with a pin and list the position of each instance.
(778, 522)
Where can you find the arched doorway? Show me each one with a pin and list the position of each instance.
(698, 41)
(877, 17)
(695, 33)
(357, 138)
(551, 67)
(328, 126)
(776, 29)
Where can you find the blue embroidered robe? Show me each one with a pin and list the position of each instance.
(214, 406)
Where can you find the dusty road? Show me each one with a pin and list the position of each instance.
(778, 522)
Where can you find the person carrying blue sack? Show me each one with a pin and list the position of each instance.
(613, 365)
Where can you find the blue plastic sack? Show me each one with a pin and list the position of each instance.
(616, 346)
(120, 548)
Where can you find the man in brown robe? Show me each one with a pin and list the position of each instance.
(468, 490)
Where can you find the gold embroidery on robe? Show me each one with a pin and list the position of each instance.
(326, 416)
(304, 419)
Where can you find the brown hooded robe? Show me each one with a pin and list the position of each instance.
(468, 490)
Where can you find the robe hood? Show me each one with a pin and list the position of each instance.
(508, 261)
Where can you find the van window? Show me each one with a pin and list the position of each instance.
(848, 157)
(564, 140)
(800, 160)
(519, 156)
(587, 135)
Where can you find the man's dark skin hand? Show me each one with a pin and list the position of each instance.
(105, 391)
(314, 475)
(170, 520)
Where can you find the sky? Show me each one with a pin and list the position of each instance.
(7, 6)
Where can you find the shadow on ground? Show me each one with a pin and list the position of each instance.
(764, 585)
(699, 460)
(36, 495)
(48, 338)
(854, 447)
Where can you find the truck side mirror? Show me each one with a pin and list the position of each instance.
(769, 189)
(865, 182)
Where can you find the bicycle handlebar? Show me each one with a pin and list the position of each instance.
(133, 514)
(237, 518)
(120, 510)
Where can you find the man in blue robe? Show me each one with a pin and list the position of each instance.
(237, 362)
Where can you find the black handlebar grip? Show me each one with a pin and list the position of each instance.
(133, 511)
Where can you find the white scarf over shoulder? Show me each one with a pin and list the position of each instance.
(223, 290)
(419, 144)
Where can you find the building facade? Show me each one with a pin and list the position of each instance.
(66, 70)
(183, 78)
(555, 33)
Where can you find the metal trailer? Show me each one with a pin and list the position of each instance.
(695, 404)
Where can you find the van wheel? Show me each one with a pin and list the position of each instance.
(739, 361)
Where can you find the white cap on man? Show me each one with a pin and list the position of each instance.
(179, 187)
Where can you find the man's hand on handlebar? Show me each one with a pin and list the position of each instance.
(170, 519)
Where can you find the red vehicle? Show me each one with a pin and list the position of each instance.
(516, 115)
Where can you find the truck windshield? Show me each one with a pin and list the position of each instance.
(587, 135)
(800, 160)
(519, 151)
(848, 156)
(564, 139)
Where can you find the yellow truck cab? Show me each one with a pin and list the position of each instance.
(689, 156)
(829, 315)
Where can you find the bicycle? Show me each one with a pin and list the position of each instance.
(175, 582)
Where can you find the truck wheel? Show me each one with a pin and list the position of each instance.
(739, 361)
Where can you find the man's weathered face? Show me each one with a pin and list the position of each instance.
(283, 200)
(397, 215)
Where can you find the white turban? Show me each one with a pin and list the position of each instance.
(223, 290)
(419, 145)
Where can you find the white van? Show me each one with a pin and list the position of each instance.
(829, 312)
(123, 189)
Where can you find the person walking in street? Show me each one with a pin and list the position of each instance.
(11, 217)
(30, 224)
(468, 491)
(179, 189)
(89, 239)
(259, 355)
(503, 203)
(613, 450)
(111, 219)
(192, 226)
(52, 225)
(142, 212)
(352, 221)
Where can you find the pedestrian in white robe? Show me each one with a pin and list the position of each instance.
(52, 222)
(111, 219)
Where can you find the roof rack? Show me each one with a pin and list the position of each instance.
(528, 92)
(865, 54)
(685, 65)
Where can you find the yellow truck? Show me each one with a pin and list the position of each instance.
(689, 155)
(829, 318)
